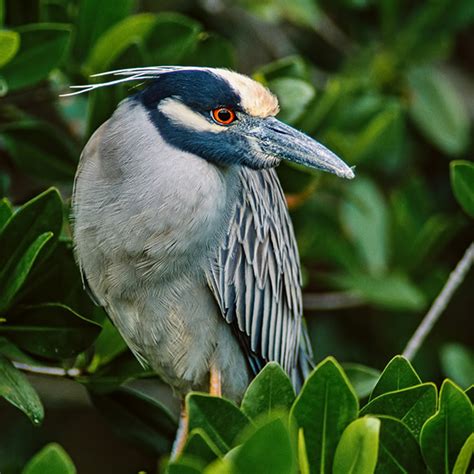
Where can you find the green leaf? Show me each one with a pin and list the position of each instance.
(303, 462)
(183, 466)
(271, 389)
(323, 409)
(116, 40)
(41, 150)
(16, 389)
(398, 374)
(6, 211)
(357, 450)
(138, 417)
(19, 273)
(293, 95)
(458, 363)
(470, 393)
(50, 330)
(361, 377)
(9, 44)
(438, 110)
(399, 452)
(41, 50)
(200, 446)
(92, 22)
(462, 182)
(211, 51)
(108, 345)
(463, 461)
(253, 456)
(444, 434)
(38, 217)
(172, 38)
(220, 419)
(364, 216)
(51, 459)
(413, 405)
(393, 291)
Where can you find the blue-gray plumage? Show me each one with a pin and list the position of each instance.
(182, 230)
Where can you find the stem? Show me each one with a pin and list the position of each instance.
(42, 370)
(455, 279)
(331, 300)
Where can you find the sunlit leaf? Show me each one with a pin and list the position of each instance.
(358, 447)
(9, 44)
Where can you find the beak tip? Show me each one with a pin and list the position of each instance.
(347, 173)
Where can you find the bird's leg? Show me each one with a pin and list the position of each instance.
(181, 434)
(215, 381)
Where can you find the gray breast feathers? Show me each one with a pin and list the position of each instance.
(255, 276)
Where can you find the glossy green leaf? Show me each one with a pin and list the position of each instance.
(38, 217)
(438, 110)
(6, 211)
(445, 433)
(220, 419)
(398, 374)
(92, 22)
(50, 330)
(138, 417)
(270, 390)
(358, 447)
(20, 271)
(9, 44)
(323, 409)
(200, 446)
(462, 182)
(364, 216)
(117, 39)
(470, 393)
(413, 405)
(399, 451)
(15, 387)
(41, 50)
(41, 150)
(293, 96)
(253, 456)
(51, 459)
(361, 377)
(303, 463)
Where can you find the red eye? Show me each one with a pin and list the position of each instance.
(223, 115)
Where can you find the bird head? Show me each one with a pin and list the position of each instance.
(225, 118)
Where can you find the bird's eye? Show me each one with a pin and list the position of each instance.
(223, 115)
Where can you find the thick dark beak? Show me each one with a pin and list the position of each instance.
(284, 142)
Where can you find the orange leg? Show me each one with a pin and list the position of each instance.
(215, 382)
(181, 434)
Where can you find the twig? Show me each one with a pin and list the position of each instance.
(331, 301)
(43, 370)
(455, 279)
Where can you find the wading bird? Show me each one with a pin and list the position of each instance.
(182, 232)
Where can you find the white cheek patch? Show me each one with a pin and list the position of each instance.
(182, 115)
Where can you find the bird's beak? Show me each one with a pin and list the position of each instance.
(284, 142)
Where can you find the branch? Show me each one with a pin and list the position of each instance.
(331, 301)
(43, 370)
(455, 279)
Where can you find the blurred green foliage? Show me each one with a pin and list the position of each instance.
(387, 85)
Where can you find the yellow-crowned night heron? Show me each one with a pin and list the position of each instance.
(182, 231)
